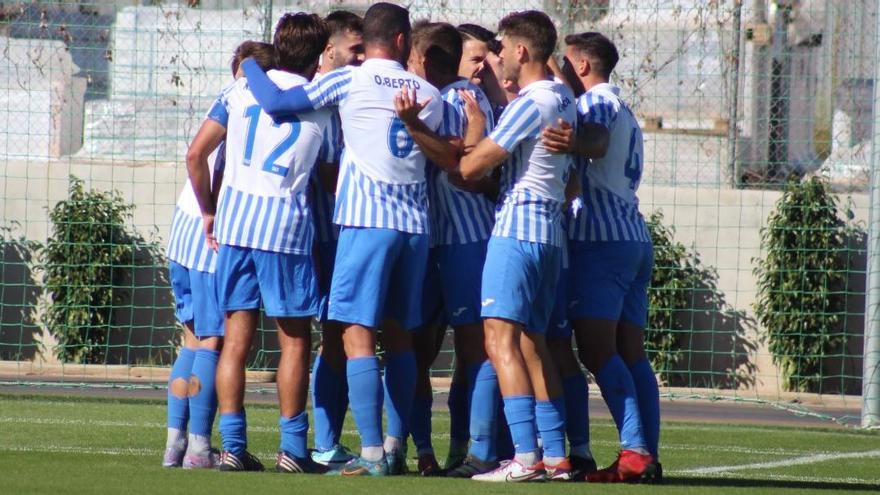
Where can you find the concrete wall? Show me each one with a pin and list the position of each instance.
(723, 226)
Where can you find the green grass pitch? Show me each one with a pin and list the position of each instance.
(84, 445)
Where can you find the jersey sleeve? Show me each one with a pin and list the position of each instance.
(453, 124)
(597, 109)
(277, 103)
(521, 120)
(331, 89)
(219, 111)
(331, 142)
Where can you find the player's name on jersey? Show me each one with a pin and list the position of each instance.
(396, 82)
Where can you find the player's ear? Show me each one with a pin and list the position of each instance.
(583, 67)
(522, 53)
(401, 42)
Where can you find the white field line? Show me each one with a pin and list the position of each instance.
(792, 461)
(786, 477)
(439, 435)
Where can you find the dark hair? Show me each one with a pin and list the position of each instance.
(479, 33)
(383, 22)
(341, 21)
(440, 43)
(535, 28)
(598, 48)
(299, 40)
(262, 53)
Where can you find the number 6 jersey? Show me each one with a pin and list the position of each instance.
(382, 173)
(263, 201)
(611, 207)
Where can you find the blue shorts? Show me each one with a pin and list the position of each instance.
(519, 282)
(326, 257)
(559, 326)
(283, 284)
(379, 273)
(461, 276)
(195, 299)
(610, 281)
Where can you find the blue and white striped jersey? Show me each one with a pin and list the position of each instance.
(457, 216)
(186, 241)
(382, 172)
(533, 179)
(264, 198)
(610, 183)
(321, 200)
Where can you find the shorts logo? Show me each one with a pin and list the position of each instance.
(459, 311)
(573, 303)
(487, 302)
(562, 324)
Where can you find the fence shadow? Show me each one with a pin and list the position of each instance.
(716, 340)
(19, 293)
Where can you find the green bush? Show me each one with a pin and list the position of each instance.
(801, 301)
(673, 281)
(88, 252)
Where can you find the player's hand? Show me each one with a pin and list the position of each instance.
(210, 240)
(407, 105)
(559, 139)
(472, 111)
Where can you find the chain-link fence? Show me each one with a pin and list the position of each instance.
(759, 292)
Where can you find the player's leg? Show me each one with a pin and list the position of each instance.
(461, 267)
(404, 315)
(458, 403)
(604, 272)
(426, 343)
(357, 297)
(328, 387)
(238, 293)
(290, 294)
(631, 345)
(178, 402)
(577, 420)
(202, 390)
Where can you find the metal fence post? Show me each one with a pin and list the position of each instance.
(871, 371)
(733, 109)
(267, 21)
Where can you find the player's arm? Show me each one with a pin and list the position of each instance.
(589, 140)
(520, 121)
(210, 135)
(280, 103)
(442, 151)
(219, 168)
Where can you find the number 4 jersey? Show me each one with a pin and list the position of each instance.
(263, 200)
(611, 207)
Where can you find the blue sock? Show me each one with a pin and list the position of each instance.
(342, 408)
(178, 409)
(400, 390)
(233, 432)
(485, 399)
(520, 413)
(550, 418)
(203, 405)
(649, 403)
(326, 385)
(503, 440)
(294, 433)
(619, 392)
(365, 395)
(459, 412)
(577, 413)
(420, 424)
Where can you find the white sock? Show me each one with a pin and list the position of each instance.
(641, 450)
(552, 461)
(392, 444)
(176, 439)
(583, 451)
(198, 444)
(527, 459)
(372, 454)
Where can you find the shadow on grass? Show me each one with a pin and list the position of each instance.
(758, 483)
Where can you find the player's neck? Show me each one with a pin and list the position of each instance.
(590, 81)
(531, 72)
(381, 52)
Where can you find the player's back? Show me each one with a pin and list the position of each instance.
(610, 183)
(376, 140)
(263, 201)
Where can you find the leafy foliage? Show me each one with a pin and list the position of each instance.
(87, 253)
(801, 302)
(673, 280)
